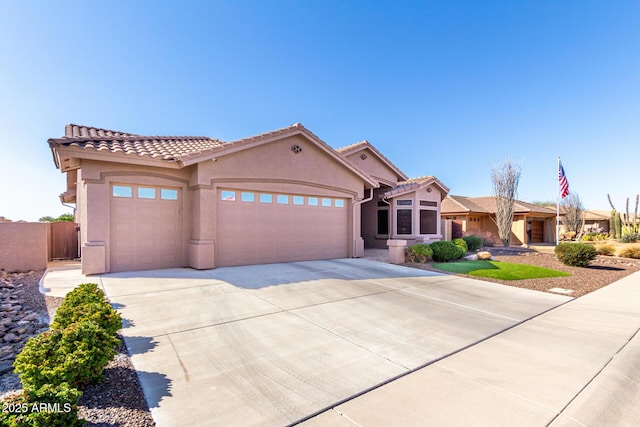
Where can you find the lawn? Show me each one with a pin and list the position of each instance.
(499, 270)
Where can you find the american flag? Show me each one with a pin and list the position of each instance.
(564, 184)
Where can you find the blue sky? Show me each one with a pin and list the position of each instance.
(442, 88)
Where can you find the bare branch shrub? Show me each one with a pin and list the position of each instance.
(574, 213)
(505, 180)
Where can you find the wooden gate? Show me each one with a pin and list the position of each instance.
(63, 240)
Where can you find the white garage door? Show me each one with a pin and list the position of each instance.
(145, 228)
(263, 227)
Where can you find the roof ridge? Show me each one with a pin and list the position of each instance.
(350, 146)
(72, 129)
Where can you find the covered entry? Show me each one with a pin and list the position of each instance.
(260, 227)
(145, 228)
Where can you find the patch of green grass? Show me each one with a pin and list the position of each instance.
(499, 270)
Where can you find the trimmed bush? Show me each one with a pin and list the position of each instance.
(631, 251)
(87, 302)
(444, 251)
(630, 238)
(473, 242)
(461, 243)
(605, 249)
(419, 253)
(76, 355)
(51, 406)
(575, 254)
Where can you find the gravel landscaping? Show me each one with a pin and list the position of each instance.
(119, 401)
(602, 271)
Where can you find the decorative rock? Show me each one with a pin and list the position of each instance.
(5, 367)
(484, 255)
(472, 257)
(11, 337)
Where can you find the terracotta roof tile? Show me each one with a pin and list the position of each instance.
(163, 147)
(413, 184)
(487, 204)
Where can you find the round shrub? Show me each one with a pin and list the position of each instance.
(461, 243)
(630, 238)
(87, 302)
(473, 242)
(55, 406)
(419, 253)
(444, 251)
(575, 254)
(76, 355)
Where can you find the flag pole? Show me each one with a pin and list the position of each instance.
(558, 206)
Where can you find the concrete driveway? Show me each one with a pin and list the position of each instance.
(274, 344)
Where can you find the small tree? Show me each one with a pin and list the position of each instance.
(574, 213)
(505, 180)
(64, 217)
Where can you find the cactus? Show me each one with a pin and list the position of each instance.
(618, 225)
(612, 224)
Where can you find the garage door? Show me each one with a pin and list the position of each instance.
(263, 227)
(145, 228)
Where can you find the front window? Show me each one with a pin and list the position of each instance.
(428, 221)
(404, 223)
(383, 222)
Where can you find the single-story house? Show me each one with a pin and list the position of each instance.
(477, 215)
(148, 202)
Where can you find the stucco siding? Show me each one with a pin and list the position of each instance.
(24, 246)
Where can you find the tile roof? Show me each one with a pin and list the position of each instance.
(163, 147)
(487, 204)
(413, 184)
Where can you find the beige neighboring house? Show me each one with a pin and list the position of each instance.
(477, 215)
(149, 202)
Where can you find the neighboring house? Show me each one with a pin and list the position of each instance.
(147, 202)
(477, 215)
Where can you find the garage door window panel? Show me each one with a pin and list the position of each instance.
(228, 196)
(313, 201)
(266, 198)
(282, 199)
(125, 191)
(146, 193)
(168, 194)
(247, 197)
(298, 200)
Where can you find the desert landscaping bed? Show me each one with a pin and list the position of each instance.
(118, 401)
(603, 271)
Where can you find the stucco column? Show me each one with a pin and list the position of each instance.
(201, 247)
(396, 251)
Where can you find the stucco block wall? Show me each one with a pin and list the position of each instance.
(23, 246)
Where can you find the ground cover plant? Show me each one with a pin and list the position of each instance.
(499, 270)
(419, 253)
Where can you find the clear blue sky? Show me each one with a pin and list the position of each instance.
(442, 88)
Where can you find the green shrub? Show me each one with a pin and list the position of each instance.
(76, 355)
(55, 406)
(630, 238)
(461, 243)
(605, 249)
(473, 242)
(419, 253)
(444, 251)
(87, 302)
(631, 251)
(575, 254)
